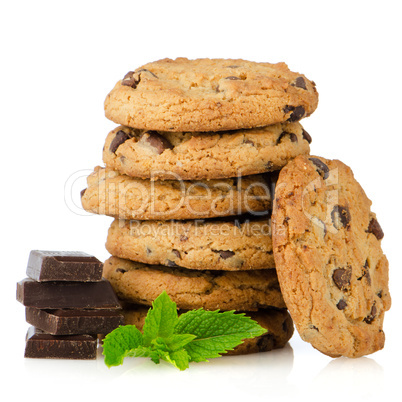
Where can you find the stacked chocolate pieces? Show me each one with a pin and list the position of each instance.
(68, 304)
(188, 178)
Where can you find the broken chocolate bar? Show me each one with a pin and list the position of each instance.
(71, 295)
(42, 345)
(63, 266)
(71, 322)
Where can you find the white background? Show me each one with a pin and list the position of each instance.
(60, 59)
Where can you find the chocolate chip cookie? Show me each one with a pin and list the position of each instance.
(236, 243)
(194, 156)
(240, 290)
(114, 194)
(327, 248)
(277, 322)
(210, 95)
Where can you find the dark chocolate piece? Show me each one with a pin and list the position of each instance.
(63, 266)
(292, 137)
(157, 141)
(224, 254)
(74, 295)
(300, 83)
(342, 278)
(307, 136)
(72, 322)
(341, 217)
(298, 112)
(120, 138)
(45, 346)
(375, 228)
(131, 79)
(322, 168)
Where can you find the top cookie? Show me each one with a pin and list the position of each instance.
(332, 271)
(210, 95)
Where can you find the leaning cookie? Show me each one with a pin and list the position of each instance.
(210, 95)
(277, 322)
(194, 156)
(327, 247)
(118, 195)
(241, 290)
(230, 244)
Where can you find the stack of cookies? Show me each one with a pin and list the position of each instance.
(190, 176)
(188, 180)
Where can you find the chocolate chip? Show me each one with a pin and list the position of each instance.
(121, 270)
(131, 79)
(247, 141)
(120, 138)
(292, 136)
(233, 78)
(176, 253)
(183, 238)
(300, 83)
(342, 277)
(156, 141)
(340, 217)
(224, 254)
(298, 112)
(128, 75)
(170, 263)
(370, 318)
(149, 251)
(322, 168)
(341, 304)
(265, 342)
(375, 228)
(83, 192)
(285, 326)
(307, 136)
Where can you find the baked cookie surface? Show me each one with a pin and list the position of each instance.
(210, 95)
(277, 322)
(193, 156)
(229, 244)
(114, 194)
(327, 248)
(241, 290)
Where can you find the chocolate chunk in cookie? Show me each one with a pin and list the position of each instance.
(120, 138)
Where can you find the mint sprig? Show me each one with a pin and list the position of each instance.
(195, 336)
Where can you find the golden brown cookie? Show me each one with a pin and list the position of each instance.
(327, 248)
(277, 322)
(114, 194)
(190, 289)
(210, 95)
(194, 156)
(230, 244)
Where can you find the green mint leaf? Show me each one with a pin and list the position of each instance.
(180, 359)
(121, 342)
(216, 332)
(161, 319)
(195, 336)
(176, 342)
